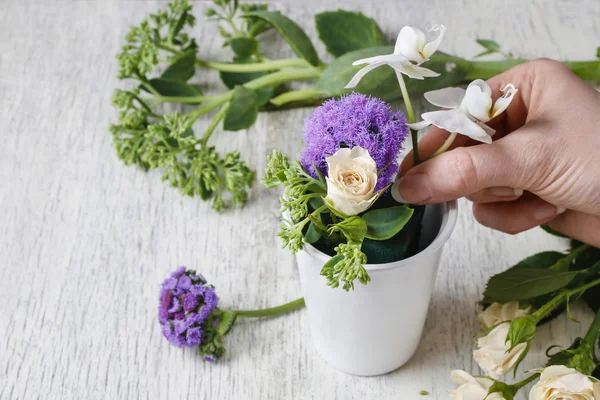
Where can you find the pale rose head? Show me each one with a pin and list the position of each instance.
(501, 312)
(560, 382)
(471, 388)
(492, 355)
(351, 180)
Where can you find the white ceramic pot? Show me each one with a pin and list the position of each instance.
(377, 327)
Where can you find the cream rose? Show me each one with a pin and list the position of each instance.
(560, 382)
(351, 180)
(501, 312)
(492, 354)
(471, 388)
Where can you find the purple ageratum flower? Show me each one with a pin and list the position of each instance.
(185, 303)
(355, 120)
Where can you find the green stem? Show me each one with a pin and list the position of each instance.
(214, 123)
(525, 382)
(251, 67)
(592, 334)
(295, 95)
(273, 311)
(547, 308)
(445, 146)
(411, 117)
(564, 263)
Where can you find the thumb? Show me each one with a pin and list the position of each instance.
(466, 170)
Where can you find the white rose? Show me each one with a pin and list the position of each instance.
(560, 382)
(492, 354)
(472, 388)
(351, 180)
(501, 312)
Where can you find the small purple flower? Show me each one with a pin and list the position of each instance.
(355, 120)
(186, 302)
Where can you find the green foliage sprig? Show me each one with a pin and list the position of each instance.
(163, 42)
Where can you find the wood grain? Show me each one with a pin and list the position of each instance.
(85, 241)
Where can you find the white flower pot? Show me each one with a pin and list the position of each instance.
(377, 327)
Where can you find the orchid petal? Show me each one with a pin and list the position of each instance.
(431, 47)
(419, 125)
(457, 121)
(413, 71)
(478, 100)
(360, 74)
(369, 60)
(490, 131)
(446, 98)
(508, 94)
(409, 43)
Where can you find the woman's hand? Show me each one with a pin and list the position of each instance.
(543, 166)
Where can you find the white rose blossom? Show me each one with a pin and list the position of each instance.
(351, 180)
(411, 50)
(468, 110)
(501, 312)
(472, 388)
(492, 353)
(558, 382)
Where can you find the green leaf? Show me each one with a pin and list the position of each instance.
(173, 88)
(353, 228)
(526, 283)
(545, 259)
(244, 46)
(344, 31)
(382, 81)
(182, 69)
(489, 45)
(552, 231)
(312, 234)
(597, 52)
(295, 36)
(385, 223)
(242, 110)
(522, 330)
(226, 321)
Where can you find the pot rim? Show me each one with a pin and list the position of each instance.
(449, 218)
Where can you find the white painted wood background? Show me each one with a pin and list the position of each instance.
(85, 241)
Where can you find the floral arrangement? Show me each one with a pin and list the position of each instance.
(161, 60)
(336, 197)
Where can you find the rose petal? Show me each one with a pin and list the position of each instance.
(508, 94)
(446, 98)
(457, 121)
(431, 47)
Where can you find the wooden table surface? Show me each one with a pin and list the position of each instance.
(85, 241)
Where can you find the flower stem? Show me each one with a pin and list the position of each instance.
(414, 135)
(525, 382)
(445, 146)
(214, 123)
(592, 334)
(557, 300)
(294, 95)
(273, 311)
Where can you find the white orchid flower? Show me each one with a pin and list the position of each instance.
(468, 110)
(411, 50)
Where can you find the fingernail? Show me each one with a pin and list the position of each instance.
(546, 211)
(560, 210)
(505, 192)
(412, 189)
(396, 193)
